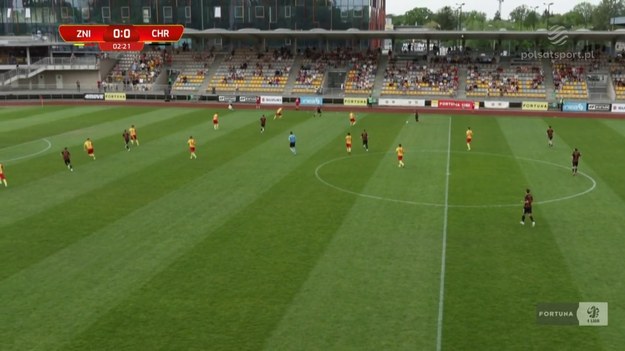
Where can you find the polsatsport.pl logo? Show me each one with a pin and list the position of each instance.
(557, 55)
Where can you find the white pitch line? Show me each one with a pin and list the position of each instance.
(432, 204)
(33, 154)
(441, 290)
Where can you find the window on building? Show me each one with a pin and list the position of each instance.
(187, 14)
(287, 12)
(106, 14)
(125, 12)
(146, 15)
(65, 13)
(287, 42)
(344, 12)
(238, 12)
(357, 13)
(259, 11)
(217, 11)
(85, 13)
(168, 14)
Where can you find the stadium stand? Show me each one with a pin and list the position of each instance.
(191, 68)
(523, 81)
(617, 70)
(407, 77)
(136, 71)
(361, 75)
(250, 71)
(569, 80)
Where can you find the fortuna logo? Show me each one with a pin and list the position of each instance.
(556, 314)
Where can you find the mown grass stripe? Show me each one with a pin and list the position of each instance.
(119, 258)
(375, 285)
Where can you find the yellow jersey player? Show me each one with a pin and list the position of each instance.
(215, 121)
(133, 135)
(348, 143)
(3, 179)
(469, 134)
(400, 155)
(191, 143)
(352, 119)
(88, 146)
(278, 113)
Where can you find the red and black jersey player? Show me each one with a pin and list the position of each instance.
(550, 136)
(575, 160)
(527, 207)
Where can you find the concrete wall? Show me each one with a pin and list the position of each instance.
(48, 80)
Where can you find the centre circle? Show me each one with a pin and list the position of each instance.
(593, 183)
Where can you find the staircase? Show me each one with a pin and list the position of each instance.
(378, 84)
(332, 82)
(219, 59)
(290, 83)
(548, 81)
(461, 92)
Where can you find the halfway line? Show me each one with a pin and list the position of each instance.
(441, 292)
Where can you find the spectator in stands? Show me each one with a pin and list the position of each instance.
(78, 85)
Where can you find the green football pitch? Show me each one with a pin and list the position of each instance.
(249, 247)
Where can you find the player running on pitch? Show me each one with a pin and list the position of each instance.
(215, 121)
(400, 155)
(278, 114)
(133, 135)
(352, 119)
(88, 146)
(3, 178)
(191, 143)
(67, 159)
(348, 143)
(365, 139)
(527, 208)
(550, 136)
(126, 137)
(469, 134)
(263, 122)
(575, 160)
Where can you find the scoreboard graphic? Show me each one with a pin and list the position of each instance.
(120, 37)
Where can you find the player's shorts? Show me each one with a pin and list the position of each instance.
(192, 149)
(550, 137)
(291, 144)
(67, 162)
(215, 121)
(133, 137)
(89, 151)
(469, 140)
(348, 145)
(400, 157)
(527, 210)
(279, 114)
(365, 142)
(575, 163)
(2, 176)
(127, 140)
(352, 119)
(262, 125)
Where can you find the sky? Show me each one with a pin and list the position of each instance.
(398, 7)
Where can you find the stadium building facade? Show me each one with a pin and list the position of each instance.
(26, 17)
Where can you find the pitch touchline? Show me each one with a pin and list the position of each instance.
(30, 155)
(435, 204)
